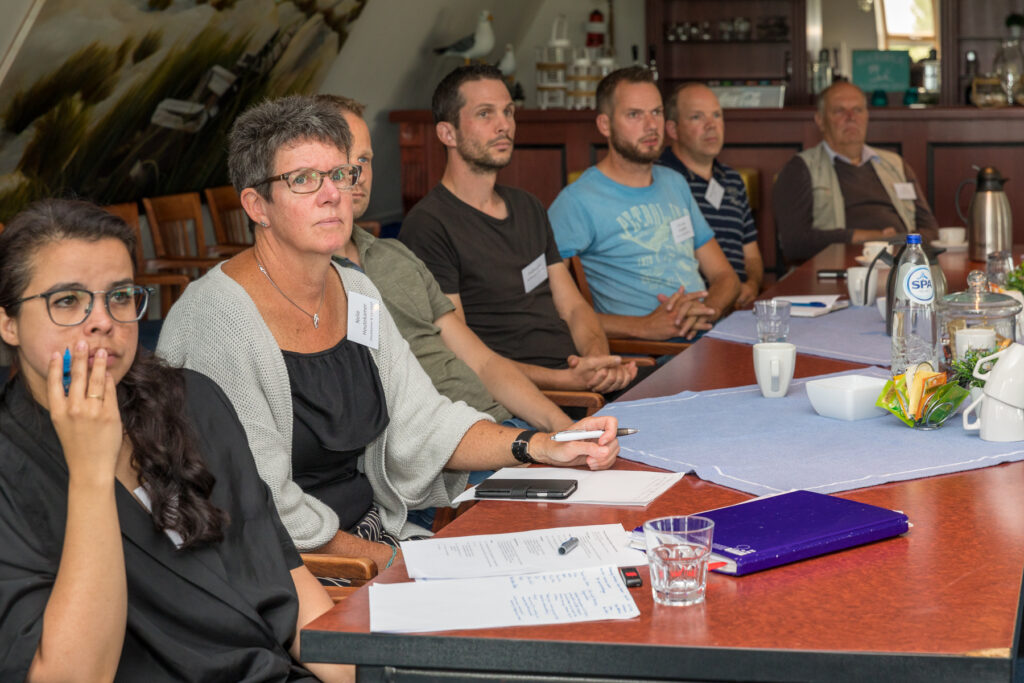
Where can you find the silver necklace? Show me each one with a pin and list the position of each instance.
(323, 289)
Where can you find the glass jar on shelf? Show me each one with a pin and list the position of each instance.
(1009, 67)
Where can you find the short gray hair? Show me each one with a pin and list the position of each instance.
(835, 86)
(265, 128)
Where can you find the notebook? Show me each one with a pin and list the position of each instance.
(776, 530)
(806, 306)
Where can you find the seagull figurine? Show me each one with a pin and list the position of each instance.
(507, 64)
(475, 46)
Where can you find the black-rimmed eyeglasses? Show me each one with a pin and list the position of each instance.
(309, 180)
(70, 307)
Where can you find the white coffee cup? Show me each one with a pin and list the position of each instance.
(872, 248)
(952, 235)
(1005, 381)
(982, 338)
(857, 280)
(999, 422)
(773, 366)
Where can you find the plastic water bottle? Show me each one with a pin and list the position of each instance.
(913, 310)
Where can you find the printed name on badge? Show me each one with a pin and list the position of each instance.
(363, 319)
(535, 273)
(682, 229)
(905, 190)
(714, 193)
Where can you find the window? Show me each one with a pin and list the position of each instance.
(907, 25)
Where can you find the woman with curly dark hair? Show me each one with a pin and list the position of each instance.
(137, 541)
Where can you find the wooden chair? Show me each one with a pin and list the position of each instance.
(230, 221)
(171, 218)
(625, 345)
(358, 570)
(171, 284)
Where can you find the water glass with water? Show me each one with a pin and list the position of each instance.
(772, 320)
(678, 549)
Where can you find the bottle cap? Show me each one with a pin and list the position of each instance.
(913, 238)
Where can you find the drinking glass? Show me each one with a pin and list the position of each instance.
(772, 320)
(678, 549)
(999, 265)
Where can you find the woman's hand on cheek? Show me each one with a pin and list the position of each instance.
(87, 420)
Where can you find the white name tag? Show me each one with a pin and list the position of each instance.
(363, 319)
(682, 229)
(535, 273)
(905, 190)
(714, 193)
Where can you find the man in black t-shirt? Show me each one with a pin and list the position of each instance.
(492, 251)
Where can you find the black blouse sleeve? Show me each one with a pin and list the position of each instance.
(28, 563)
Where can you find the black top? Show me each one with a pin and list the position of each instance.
(481, 259)
(339, 408)
(225, 612)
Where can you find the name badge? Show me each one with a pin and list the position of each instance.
(535, 273)
(714, 193)
(363, 319)
(905, 190)
(682, 229)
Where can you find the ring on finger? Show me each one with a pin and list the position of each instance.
(95, 396)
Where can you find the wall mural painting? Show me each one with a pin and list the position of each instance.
(114, 100)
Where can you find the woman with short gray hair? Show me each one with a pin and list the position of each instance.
(345, 427)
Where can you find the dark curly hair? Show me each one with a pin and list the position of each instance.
(151, 395)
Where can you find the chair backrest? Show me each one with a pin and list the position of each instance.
(230, 221)
(129, 213)
(576, 270)
(171, 218)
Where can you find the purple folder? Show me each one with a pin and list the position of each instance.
(768, 532)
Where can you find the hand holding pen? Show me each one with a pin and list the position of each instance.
(597, 451)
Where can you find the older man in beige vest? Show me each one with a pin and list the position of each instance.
(843, 191)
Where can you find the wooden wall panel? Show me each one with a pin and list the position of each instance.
(956, 162)
(538, 169)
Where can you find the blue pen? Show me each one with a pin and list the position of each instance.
(815, 304)
(67, 370)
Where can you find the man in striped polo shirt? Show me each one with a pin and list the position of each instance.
(696, 130)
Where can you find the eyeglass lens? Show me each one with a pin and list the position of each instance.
(306, 180)
(72, 306)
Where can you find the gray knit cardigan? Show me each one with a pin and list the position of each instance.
(216, 329)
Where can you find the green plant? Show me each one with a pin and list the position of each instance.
(1015, 278)
(963, 368)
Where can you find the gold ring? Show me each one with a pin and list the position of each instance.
(95, 396)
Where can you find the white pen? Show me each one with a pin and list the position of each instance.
(584, 434)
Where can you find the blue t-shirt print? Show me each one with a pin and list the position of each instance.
(659, 259)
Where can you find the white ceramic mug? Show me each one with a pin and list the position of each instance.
(872, 248)
(953, 235)
(1005, 381)
(999, 422)
(979, 338)
(857, 281)
(773, 366)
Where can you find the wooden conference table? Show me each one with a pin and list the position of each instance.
(941, 603)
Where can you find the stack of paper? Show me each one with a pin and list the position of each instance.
(549, 598)
(605, 487)
(521, 552)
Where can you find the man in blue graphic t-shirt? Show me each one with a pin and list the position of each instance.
(645, 246)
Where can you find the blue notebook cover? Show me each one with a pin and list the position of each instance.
(777, 530)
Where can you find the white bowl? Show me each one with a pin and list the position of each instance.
(846, 397)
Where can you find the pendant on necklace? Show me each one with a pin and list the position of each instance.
(316, 321)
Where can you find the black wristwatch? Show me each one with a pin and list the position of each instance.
(520, 447)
